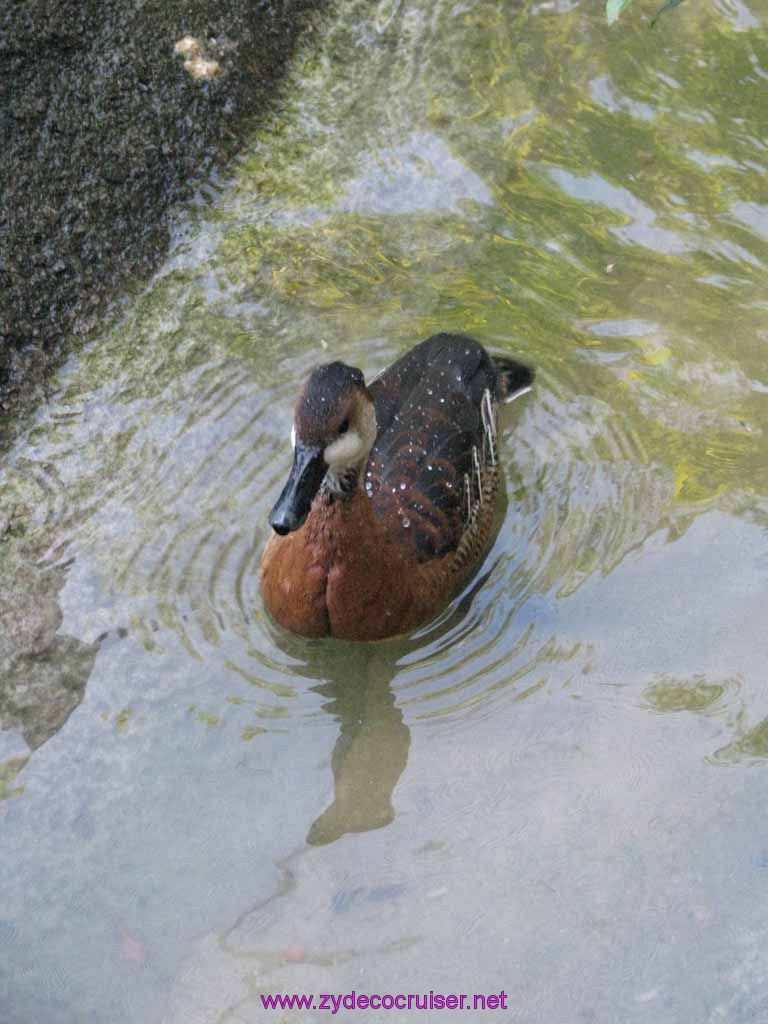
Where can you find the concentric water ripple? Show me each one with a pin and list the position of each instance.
(181, 526)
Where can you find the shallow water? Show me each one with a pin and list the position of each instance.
(555, 790)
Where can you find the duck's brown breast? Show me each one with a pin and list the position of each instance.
(370, 593)
(294, 576)
(342, 575)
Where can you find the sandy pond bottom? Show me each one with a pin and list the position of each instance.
(557, 789)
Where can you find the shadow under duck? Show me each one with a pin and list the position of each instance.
(391, 500)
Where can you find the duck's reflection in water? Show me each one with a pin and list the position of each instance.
(370, 754)
(355, 681)
(371, 751)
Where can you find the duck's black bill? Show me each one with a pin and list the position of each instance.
(293, 505)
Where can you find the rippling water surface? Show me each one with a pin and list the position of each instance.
(557, 788)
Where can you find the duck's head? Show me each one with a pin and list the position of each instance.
(334, 429)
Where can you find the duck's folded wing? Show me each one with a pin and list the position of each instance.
(431, 436)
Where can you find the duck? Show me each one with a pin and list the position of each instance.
(391, 499)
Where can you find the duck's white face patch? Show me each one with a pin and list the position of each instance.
(347, 450)
(352, 448)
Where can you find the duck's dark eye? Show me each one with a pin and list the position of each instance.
(344, 427)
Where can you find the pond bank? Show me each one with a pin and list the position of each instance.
(108, 111)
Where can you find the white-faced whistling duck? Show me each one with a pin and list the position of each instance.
(391, 500)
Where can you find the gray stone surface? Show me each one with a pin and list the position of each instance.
(103, 125)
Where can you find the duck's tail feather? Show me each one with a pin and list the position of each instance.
(514, 379)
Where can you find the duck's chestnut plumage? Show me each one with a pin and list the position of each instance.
(390, 503)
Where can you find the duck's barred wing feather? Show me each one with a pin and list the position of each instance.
(435, 410)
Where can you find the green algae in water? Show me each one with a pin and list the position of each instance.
(667, 695)
(8, 772)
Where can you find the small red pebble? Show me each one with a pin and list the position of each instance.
(293, 954)
(133, 950)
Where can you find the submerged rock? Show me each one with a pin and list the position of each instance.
(43, 673)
